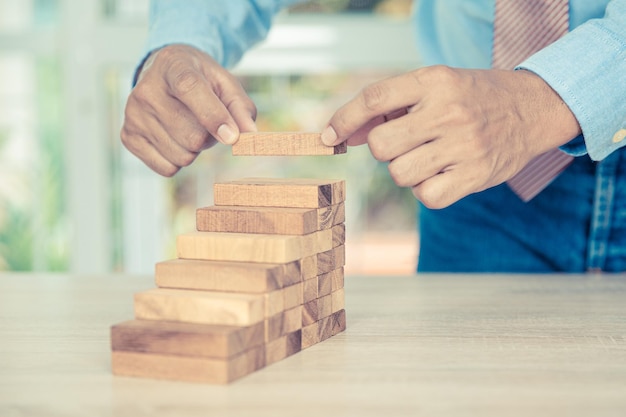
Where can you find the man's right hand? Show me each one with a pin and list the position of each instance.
(183, 102)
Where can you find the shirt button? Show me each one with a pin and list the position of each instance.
(619, 136)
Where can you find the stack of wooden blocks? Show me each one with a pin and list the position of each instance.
(261, 279)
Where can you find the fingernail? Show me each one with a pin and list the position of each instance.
(329, 136)
(226, 134)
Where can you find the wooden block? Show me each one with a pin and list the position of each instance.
(337, 279)
(284, 144)
(294, 342)
(274, 327)
(269, 192)
(308, 267)
(338, 322)
(281, 324)
(245, 277)
(310, 313)
(185, 339)
(309, 291)
(200, 307)
(310, 335)
(268, 220)
(243, 247)
(325, 306)
(330, 260)
(338, 300)
(189, 369)
(292, 320)
(339, 235)
(274, 303)
(283, 347)
(275, 350)
(293, 296)
(324, 284)
(330, 216)
(325, 328)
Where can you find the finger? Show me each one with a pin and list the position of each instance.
(240, 106)
(182, 126)
(143, 149)
(399, 136)
(378, 99)
(244, 115)
(361, 135)
(198, 95)
(171, 149)
(420, 164)
(444, 189)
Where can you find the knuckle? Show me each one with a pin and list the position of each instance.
(441, 73)
(184, 80)
(196, 141)
(374, 96)
(431, 197)
(186, 159)
(168, 171)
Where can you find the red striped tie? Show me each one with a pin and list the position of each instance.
(521, 28)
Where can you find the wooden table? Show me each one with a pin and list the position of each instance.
(428, 345)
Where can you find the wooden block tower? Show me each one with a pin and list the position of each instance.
(261, 279)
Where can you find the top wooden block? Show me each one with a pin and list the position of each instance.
(284, 144)
(279, 192)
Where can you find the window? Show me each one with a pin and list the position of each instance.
(71, 198)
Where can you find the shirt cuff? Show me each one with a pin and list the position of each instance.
(586, 68)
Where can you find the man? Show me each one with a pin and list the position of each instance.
(463, 131)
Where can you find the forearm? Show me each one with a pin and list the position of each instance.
(222, 29)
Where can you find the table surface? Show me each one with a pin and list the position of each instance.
(427, 345)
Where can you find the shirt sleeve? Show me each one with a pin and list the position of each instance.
(222, 29)
(587, 68)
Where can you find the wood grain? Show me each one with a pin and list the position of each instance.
(273, 327)
(292, 319)
(283, 347)
(331, 260)
(203, 307)
(293, 295)
(270, 192)
(325, 306)
(287, 321)
(226, 276)
(339, 235)
(337, 279)
(338, 322)
(274, 303)
(330, 216)
(325, 328)
(185, 339)
(324, 284)
(188, 369)
(310, 313)
(242, 247)
(310, 335)
(308, 267)
(284, 144)
(338, 300)
(268, 220)
(309, 290)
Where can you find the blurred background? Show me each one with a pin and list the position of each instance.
(73, 199)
